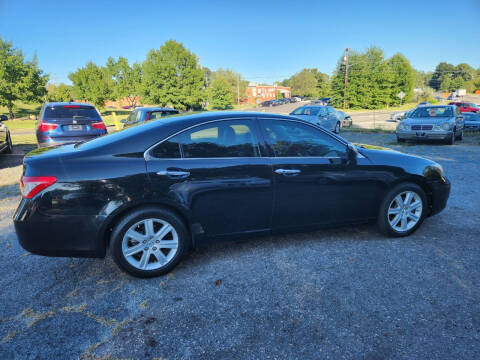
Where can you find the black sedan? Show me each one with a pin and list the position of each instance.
(151, 193)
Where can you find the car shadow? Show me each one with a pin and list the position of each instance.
(16, 157)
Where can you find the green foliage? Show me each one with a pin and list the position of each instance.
(309, 83)
(403, 78)
(172, 76)
(279, 95)
(448, 77)
(92, 83)
(237, 83)
(126, 80)
(61, 92)
(20, 79)
(220, 94)
(373, 82)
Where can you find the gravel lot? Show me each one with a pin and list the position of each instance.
(346, 293)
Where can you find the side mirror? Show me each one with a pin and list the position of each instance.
(3, 118)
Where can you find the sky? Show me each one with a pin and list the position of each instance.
(265, 41)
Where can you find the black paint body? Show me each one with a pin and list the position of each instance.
(100, 181)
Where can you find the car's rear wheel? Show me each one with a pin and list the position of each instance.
(400, 140)
(149, 242)
(460, 136)
(9, 148)
(402, 210)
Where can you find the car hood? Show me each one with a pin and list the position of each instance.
(411, 164)
(427, 120)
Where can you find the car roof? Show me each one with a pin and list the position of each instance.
(59, 103)
(153, 108)
(132, 139)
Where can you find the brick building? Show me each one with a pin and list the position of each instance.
(260, 93)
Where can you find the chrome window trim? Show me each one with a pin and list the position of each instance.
(147, 156)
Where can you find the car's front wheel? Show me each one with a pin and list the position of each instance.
(451, 139)
(402, 210)
(460, 136)
(337, 128)
(9, 148)
(149, 242)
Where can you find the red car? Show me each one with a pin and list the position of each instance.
(465, 106)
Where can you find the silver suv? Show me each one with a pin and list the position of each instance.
(441, 122)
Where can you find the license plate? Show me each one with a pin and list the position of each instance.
(75, 127)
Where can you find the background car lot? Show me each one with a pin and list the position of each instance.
(336, 293)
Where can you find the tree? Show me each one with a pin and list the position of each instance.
(322, 86)
(304, 83)
(442, 76)
(220, 94)
(369, 81)
(92, 83)
(403, 78)
(126, 80)
(237, 83)
(172, 76)
(19, 79)
(61, 92)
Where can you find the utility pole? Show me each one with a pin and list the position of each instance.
(238, 90)
(345, 59)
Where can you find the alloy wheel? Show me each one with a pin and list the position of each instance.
(405, 211)
(150, 244)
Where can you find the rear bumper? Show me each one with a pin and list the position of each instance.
(57, 141)
(440, 194)
(57, 235)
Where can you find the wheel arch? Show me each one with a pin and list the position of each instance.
(115, 217)
(420, 181)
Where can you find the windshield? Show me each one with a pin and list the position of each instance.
(71, 112)
(306, 111)
(427, 111)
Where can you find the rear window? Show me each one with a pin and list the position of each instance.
(71, 112)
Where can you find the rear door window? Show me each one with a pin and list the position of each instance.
(222, 139)
(80, 112)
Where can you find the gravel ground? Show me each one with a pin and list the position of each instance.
(346, 293)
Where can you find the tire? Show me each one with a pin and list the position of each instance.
(337, 128)
(460, 137)
(9, 148)
(399, 140)
(390, 202)
(451, 139)
(135, 223)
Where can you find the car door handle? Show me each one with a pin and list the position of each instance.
(174, 174)
(288, 171)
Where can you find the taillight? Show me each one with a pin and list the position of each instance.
(47, 127)
(99, 125)
(32, 185)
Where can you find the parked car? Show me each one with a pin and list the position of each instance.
(398, 115)
(472, 121)
(267, 103)
(424, 103)
(143, 114)
(152, 192)
(325, 116)
(344, 118)
(5, 138)
(465, 106)
(441, 122)
(297, 99)
(67, 122)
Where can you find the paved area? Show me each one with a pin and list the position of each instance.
(345, 293)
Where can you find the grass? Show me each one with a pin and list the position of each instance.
(28, 139)
(367, 131)
(22, 110)
(406, 106)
